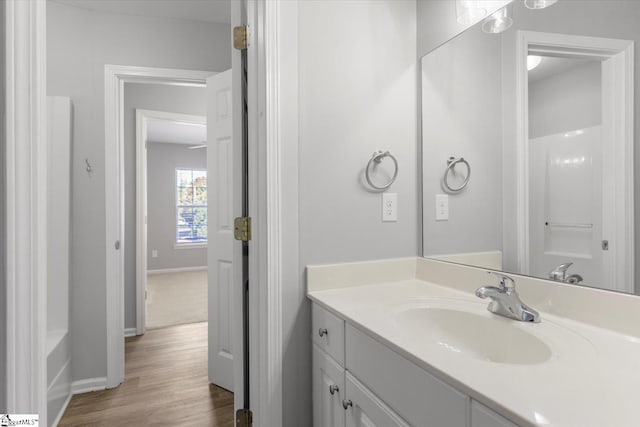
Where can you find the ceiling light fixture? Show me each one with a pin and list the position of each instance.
(539, 4)
(470, 11)
(498, 22)
(533, 61)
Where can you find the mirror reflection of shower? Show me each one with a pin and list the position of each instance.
(566, 168)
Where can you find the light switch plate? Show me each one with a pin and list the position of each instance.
(442, 207)
(154, 253)
(389, 207)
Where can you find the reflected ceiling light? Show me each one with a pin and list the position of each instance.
(498, 22)
(533, 61)
(539, 4)
(470, 11)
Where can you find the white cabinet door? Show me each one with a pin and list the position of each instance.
(366, 410)
(481, 416)
(328, 390)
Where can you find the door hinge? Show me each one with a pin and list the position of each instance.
(242, 228)
(240, 40)
(244, 418)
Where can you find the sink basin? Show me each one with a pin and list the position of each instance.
(476, 334)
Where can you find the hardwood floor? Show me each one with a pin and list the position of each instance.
(166, 384)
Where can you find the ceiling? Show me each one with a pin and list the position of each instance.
(216, 11)
(170, 132)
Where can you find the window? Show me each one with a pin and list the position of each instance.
(191, 206)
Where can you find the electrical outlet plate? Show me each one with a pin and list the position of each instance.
(390, 207)
(442, 207)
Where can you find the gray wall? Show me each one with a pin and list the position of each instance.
(462, 117)
(3, 225)
(79, 44)
(163, 159)
(358, 94)
(566, 101)
(175, 99)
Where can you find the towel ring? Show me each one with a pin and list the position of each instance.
(451, 163)
(377, 158)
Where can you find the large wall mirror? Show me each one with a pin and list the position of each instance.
(528, 143)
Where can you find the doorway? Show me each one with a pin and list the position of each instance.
(170, 211)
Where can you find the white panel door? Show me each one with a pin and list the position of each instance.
(328, 390)
(364, 409)
(220, 229)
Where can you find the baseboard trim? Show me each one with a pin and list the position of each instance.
(130, 332)
(88, 385)
(177, 270)
(62, 411)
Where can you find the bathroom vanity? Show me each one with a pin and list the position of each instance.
(406, 342)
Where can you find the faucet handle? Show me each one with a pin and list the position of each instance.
(563, 267)
(506, 282)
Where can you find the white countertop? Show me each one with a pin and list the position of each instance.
(591, 379)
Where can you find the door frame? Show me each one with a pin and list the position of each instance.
(618, 93)
(142, 118)
(115, 78)
(25, 208)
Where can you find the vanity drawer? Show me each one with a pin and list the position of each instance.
(416, 395)
(328, 332)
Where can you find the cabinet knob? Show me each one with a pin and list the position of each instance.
(333, 388)
(346, 403)
(322, 332)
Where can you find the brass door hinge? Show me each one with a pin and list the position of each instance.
(244, 418)
(242, 228)
(240, 39)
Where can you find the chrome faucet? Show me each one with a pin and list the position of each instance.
(505, 300)
(559, 274)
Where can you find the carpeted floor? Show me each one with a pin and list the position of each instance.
(176, 298)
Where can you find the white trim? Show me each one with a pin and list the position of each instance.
(273, 163)
(130, 332)
(620, 78)
(65, 367)
(88, 385)
(26, 206)
(65, 405)
(180, 246)
(177, 270)
(142, 119)
(272, 326)
(115, 77)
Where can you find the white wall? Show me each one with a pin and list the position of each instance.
(79, 44)
(566, 101)
(462, 117)
(358, 94)
(175, 99)
(162, 161)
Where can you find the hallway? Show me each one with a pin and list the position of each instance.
(165, 384)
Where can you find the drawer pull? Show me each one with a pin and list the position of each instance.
(346, 403)
(322, 332)
(333, 388)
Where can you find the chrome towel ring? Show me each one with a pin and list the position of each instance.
(451, 163)
(376, 159)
